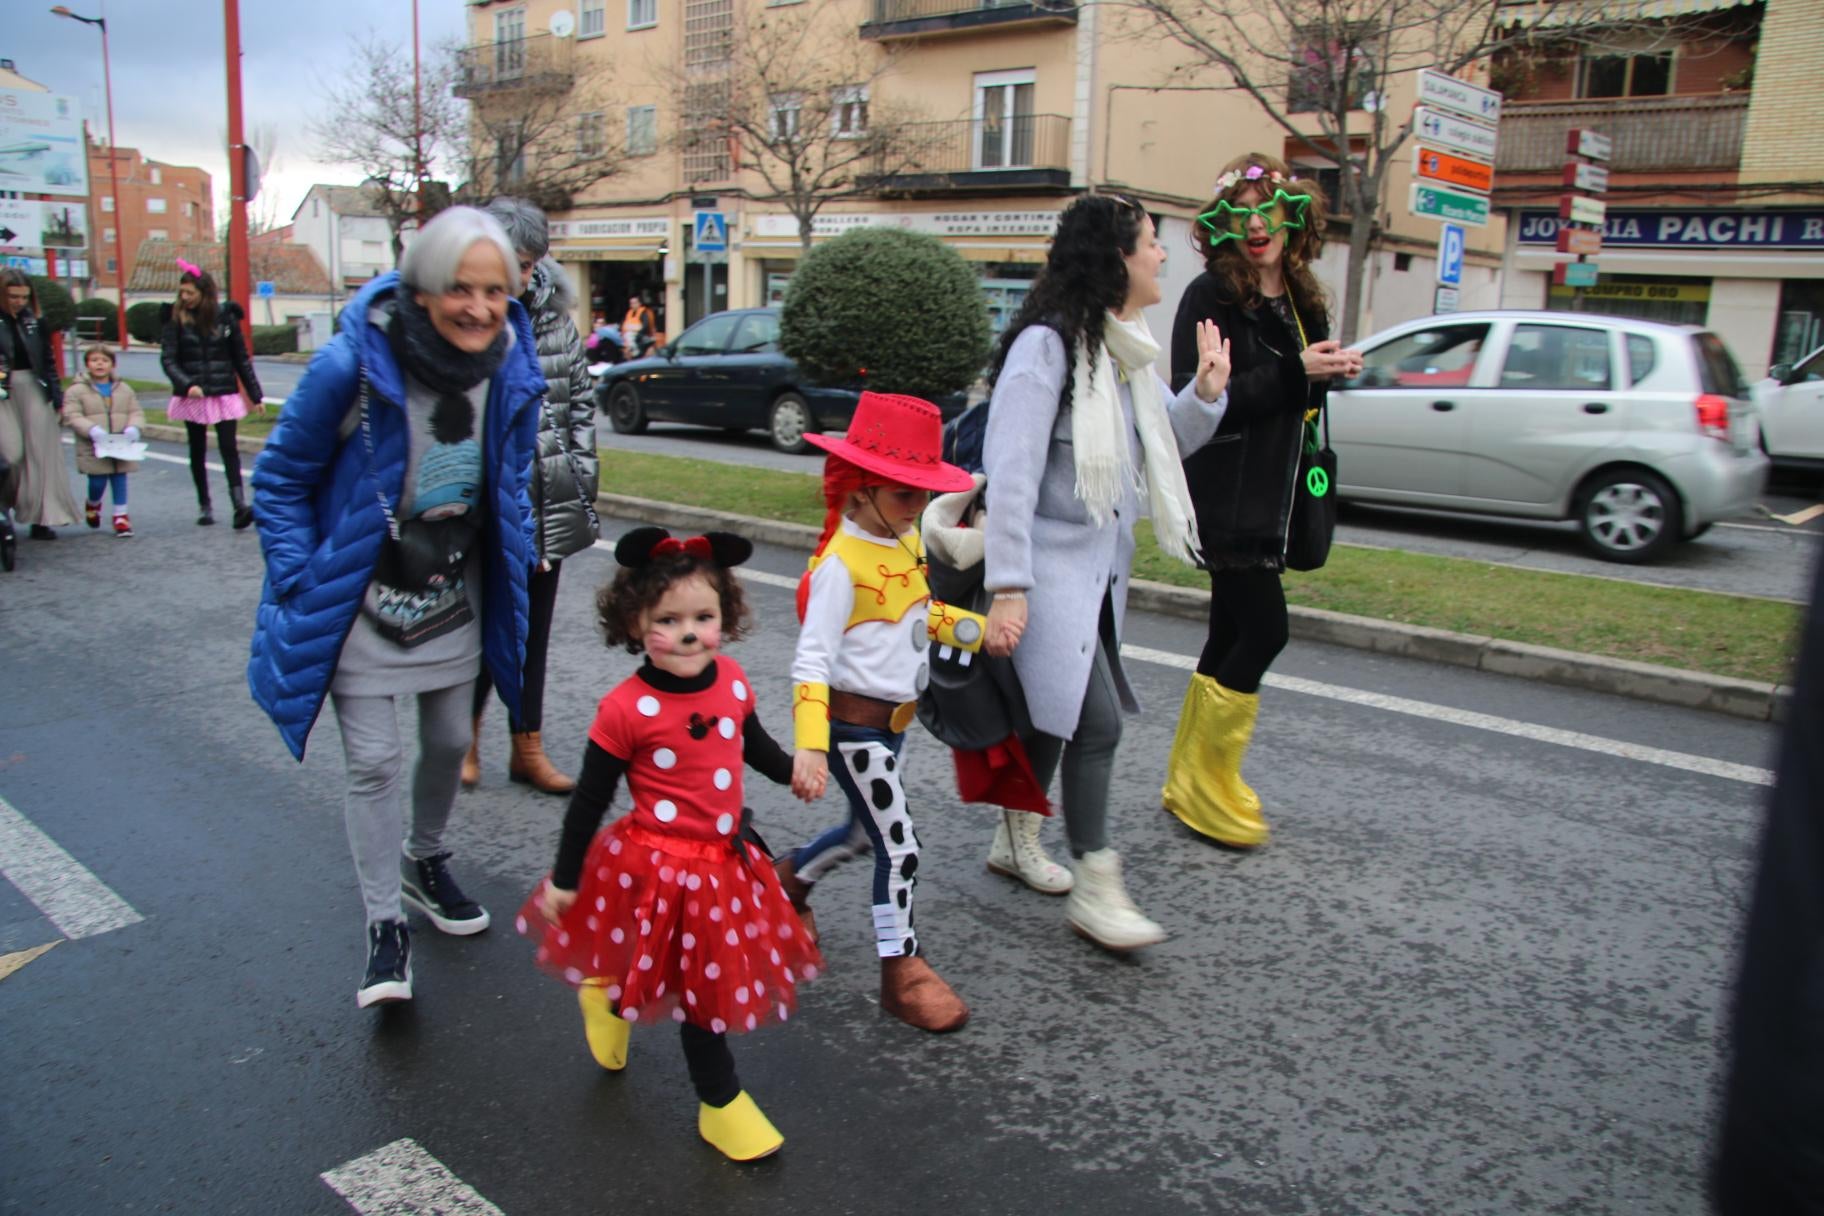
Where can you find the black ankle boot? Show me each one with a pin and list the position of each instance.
(243, 514)
(205, 513)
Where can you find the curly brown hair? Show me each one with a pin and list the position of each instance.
(1230, 267)
(621, 605)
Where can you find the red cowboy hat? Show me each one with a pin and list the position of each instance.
(901, 439)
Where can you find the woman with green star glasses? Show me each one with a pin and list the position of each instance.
(1259, 237)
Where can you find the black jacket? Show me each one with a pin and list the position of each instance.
(26, 329)
(1242, 480)
(208, 361)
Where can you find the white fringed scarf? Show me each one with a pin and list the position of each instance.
(1098, 432)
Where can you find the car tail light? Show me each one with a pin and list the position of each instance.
(1713, 415)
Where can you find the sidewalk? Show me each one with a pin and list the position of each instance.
(1640, 681)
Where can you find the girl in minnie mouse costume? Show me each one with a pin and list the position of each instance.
(673, 911)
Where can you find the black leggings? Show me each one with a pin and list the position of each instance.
(199, 452)
(541, 603)
(1248, 628)
(711, 1064)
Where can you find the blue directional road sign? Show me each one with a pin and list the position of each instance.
(711, 235)
(1450, 256)
(265, 288)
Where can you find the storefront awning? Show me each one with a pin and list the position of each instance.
(1544, 14)
(605, 253)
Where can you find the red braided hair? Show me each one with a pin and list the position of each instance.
(840, 479)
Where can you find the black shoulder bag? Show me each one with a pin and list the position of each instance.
(1312, 526)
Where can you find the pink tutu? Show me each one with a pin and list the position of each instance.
(207, 410)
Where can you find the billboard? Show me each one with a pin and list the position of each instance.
(37, 226)
(41, 148)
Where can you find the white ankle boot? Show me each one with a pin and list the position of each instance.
(1100, 910)
(1017, 853)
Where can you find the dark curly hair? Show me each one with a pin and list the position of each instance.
(1229, 266)
(620, 605)
(1084, 279)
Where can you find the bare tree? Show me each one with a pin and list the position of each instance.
(1332, 63)
(791, 95)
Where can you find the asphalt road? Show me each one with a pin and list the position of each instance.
(1480, 969)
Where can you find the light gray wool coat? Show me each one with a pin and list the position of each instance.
(1039, 535)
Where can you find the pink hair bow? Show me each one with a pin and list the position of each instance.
(190, 268)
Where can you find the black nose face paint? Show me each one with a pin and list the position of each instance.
(689, 639)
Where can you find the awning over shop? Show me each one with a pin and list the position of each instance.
(1545, 14)
(605, 253)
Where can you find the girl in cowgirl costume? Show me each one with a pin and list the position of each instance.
(862, 662)
(674, 911)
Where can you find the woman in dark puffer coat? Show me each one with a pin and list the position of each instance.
(207, 362)
(563, 485)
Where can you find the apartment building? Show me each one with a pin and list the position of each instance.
(157, 202)
(1716, 199)
(1019, 108)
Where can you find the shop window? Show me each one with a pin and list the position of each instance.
(1557, 357)
(1636, 75)
(1799, 329)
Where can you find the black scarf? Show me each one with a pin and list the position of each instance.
(429, 358)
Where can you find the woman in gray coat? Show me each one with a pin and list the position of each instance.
(563, 485)
(1082, 436)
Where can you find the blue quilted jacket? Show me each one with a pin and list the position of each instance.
(320, 521)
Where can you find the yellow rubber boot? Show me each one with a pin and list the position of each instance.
(739, 1131)
(1203, 784)
(605, 1029)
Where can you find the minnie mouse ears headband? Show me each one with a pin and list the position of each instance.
(643, 546)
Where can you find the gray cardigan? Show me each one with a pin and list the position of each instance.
(1039, 536)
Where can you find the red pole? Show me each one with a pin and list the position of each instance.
(238, 279)
(417, 120)
(50, 272)
(120, 263)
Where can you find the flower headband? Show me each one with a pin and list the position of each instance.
(643, 546)
(1252, 173)
(189, 268)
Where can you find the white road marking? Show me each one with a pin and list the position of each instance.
(71, 897)
(1727, 770)
(401, 1179)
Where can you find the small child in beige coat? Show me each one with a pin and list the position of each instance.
(95, 406)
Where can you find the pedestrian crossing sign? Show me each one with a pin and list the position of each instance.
(711, 235)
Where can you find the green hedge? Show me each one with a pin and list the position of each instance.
(143, 323)
(105, 312)
(56, 306)
(900, 309)
(275, 339)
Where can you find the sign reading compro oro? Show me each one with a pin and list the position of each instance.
(940, 224)
(41, 148)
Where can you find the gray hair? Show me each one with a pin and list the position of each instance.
(431, 259)
(525, 225)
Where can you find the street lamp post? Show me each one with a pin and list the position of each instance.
(120, 263)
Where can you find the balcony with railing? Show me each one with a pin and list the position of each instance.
(1020, 152)
(537, 63)
(1692, 133)
(921, 18)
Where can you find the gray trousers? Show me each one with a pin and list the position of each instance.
(375, 760)
(1088, 757)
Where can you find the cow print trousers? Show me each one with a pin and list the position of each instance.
(866, 764)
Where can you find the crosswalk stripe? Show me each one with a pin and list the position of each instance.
(62, 888)
(401, 1179)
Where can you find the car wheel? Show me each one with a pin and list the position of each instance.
(1629, 515)
(625, 413)
(789, 422)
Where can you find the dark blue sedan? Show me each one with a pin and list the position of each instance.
(727, 371)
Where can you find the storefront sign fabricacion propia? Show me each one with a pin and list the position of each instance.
(940, 224)
(1735, 228)
(646, 227)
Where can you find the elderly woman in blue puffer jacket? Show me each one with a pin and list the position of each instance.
(398, 538)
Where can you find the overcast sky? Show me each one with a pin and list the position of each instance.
(170, 78)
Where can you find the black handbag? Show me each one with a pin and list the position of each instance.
(1313, 524)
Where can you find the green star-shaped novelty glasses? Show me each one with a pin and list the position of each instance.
(1283, 210)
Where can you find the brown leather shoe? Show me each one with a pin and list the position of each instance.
(799, 892)
(530, 766)
(471, 763)
(918, 996)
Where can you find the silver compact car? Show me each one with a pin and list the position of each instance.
(1640, 432)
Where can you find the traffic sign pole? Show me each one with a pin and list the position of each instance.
(1582, 215)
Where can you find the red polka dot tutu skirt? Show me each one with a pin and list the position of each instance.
(691, 930)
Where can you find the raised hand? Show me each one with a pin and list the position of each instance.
(1213, 365)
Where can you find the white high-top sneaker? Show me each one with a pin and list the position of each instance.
(1099, 909)
(1017, 853)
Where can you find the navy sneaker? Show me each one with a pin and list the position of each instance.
(389, 965)
(428, 886)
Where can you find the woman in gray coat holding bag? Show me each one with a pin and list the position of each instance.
(1082, 436)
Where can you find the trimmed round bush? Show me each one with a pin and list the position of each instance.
(275, 339)
(56, 306)
(95, 310)
(143, 323)
(899, 311)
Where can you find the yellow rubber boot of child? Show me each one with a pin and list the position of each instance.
(739, 1130)
(606, 1030)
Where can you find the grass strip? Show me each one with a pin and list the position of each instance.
(1740, 636)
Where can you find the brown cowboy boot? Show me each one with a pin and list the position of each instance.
(471, 763)
(798, 892)
(530, 766)
(917, 996)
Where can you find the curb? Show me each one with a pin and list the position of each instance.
(249, 445)
(1749, 699)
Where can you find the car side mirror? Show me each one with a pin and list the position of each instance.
(1781, 372)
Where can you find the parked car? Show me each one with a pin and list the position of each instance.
(1790, 408)
(1640, 432)
(727, 371)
